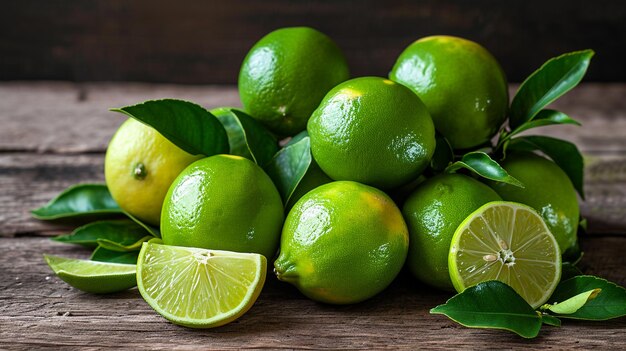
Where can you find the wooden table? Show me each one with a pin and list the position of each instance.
(53, 135)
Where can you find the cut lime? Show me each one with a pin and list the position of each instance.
(509, 242)
(93, 276)
(199, 288)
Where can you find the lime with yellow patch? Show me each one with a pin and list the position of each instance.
(139, 167)
(342, 243)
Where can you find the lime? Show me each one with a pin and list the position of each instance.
(548, 190)
(223, 202)
(432, 213)
(461, 84)
(199, 288)
(342, 243)
(509, 242)
(93, 276)
(286, 74)
(140, 166)
(373, 131)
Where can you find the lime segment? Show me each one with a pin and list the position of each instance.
(199, 288)
(509, 242)
(93, 276)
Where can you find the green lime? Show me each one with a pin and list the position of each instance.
(342, 243)
(509, 242)
(548, 190)
(432, 213)
(199, 288)
(139, 167)
(286, 74)
(373, 131)
(461, 84)
(93, 276)
(223, 202)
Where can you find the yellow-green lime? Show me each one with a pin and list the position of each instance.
(373, 131)
(509, 242)
(548, 190)
(93, 276)
(223, 202)
(432, 213)
(139, 167)
(342, 243)
(461, 84)
(199, 288)
(286, 74)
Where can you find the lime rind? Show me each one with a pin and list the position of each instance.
(510, 242)
(199, 288)
(93, 276)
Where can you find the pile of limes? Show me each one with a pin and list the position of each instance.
(371, 201)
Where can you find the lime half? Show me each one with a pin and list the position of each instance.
(199, 288)
(93, 276)
(509, 242)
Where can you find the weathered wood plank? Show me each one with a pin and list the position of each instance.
(37, 309)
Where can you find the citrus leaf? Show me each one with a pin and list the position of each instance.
(544, 118)
(296, 138)
(236, 135)
(114, 246)
(553, 79)
(483, 165)
(123, 232)
(610, 303)
(443, 154)
(104, 255)
(492, 304)
(288, 167)
(550, 320)
(563, 153)
(154, 231)
(189, 126)
(81, 200)
(572, 304)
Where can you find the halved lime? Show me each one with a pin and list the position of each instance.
(93, 276)
(199, 288)
(509, 242)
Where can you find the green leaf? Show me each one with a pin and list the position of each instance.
(492, 304)
(563, 153)
(483, 165)
(81, 200)
(611, 303)
(288, 167)
(572, 304)
(556, 77)
(189, 126)
(154, 231)
(114, 246)
(443, 155)
(296, 138)
(104, 255)
(550, 320)
(544, 118)
(123, 232)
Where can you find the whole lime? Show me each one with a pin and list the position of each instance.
(433, 212)
(548, 190)
(286, 74)
(373, 131)
(139, 167)
(461, 84)
(342, 243)
(223, 202)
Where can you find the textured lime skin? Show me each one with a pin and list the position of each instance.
(342, 243)
(373, 131)
(433, 212)
(223, 202)
(134, 143)
(286, 74)
(548, 190)
(461, 84)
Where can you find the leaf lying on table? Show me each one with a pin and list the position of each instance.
(115, 246)
(81, 200)
(609, 303)
(572, 304)
(492, 304)
(484, 166)
(123, 232)
(105, 255)
(288, 167)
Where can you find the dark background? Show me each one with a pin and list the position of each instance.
(203, 42)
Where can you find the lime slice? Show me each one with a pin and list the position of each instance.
(93, 276)
(199, 288)
(509, 242)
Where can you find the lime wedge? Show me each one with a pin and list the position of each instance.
(93, 276)
(199, 288)
(509, 242)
